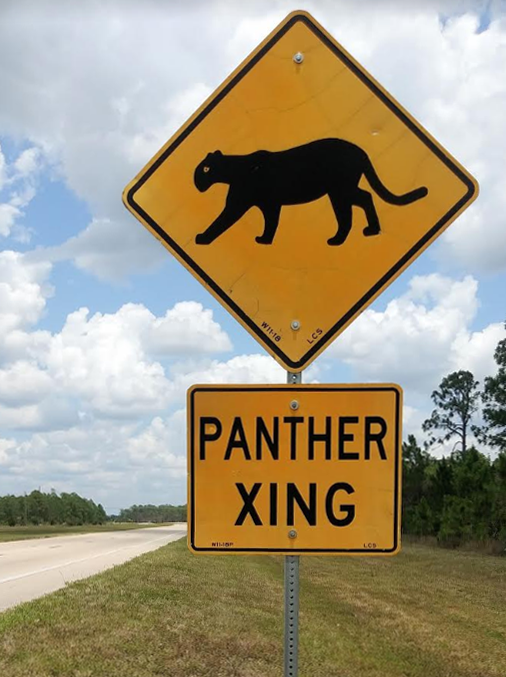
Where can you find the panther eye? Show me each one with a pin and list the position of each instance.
(206, 169)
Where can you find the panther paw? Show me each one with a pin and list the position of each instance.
(336, 241)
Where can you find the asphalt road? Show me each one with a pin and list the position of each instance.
(30, 569)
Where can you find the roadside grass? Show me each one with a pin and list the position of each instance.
(48, 530)
(427, 612)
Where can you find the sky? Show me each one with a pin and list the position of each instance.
(102, 331)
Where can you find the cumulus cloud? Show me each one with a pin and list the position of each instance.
(3, 169)
(110, 249)
(116, 464)
(22, 383)
(5, 445)
(421, 336)
(105, 365)
(161, 444)
(18, 188)
(187, 328)
(123, 459)
(108, 360)
(239, 369)
(24, 289)
(8, 215)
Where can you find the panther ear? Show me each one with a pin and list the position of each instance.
(218, 152)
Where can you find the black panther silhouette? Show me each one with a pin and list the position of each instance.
(298, 175)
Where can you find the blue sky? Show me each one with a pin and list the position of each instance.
(93, 400)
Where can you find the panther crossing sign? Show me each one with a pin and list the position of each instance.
(299, 191)
(321, 477)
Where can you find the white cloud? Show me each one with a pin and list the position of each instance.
(5, 445)
(28, 162)
(111, 249)
(19, 180)
(22, 383)
(3, 169)
(8, 216)
(474, 351)
(161, 444)
(239, 369)
(23, 291)
(421, 336)
(104, 365)
(146, 142)
(50, 413)
(116, 464)
(107, 361)
(187, 328)
(121, 461)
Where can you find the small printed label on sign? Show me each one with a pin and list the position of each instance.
(270, 332)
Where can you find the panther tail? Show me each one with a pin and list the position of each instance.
(385, 194)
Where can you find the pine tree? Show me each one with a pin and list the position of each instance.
(494, 401)
(456, 402)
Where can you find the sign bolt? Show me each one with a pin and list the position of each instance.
(299, 57)
(295, 325)
(292, 533)
(294, 405)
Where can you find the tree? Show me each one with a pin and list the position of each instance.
(494, 400)
(440, 482)
(456, 521)
(456, 402)
(41, 508)
(153, 513)
(498, 517)
(415, 462)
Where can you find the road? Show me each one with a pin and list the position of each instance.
(30, 569)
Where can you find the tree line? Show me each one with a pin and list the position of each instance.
(38, 507)
(152, 513)
(460, 497)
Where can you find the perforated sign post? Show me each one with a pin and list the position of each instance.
(296, 194)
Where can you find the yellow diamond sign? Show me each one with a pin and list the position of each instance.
(299, 191)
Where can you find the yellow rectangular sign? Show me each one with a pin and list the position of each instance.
(313, 469)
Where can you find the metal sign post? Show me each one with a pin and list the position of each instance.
(292, 592)
(291, 615)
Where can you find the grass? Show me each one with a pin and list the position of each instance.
(426, 612)
(48, 530)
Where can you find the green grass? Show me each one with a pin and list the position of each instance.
(424, 613)
(47, 530)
